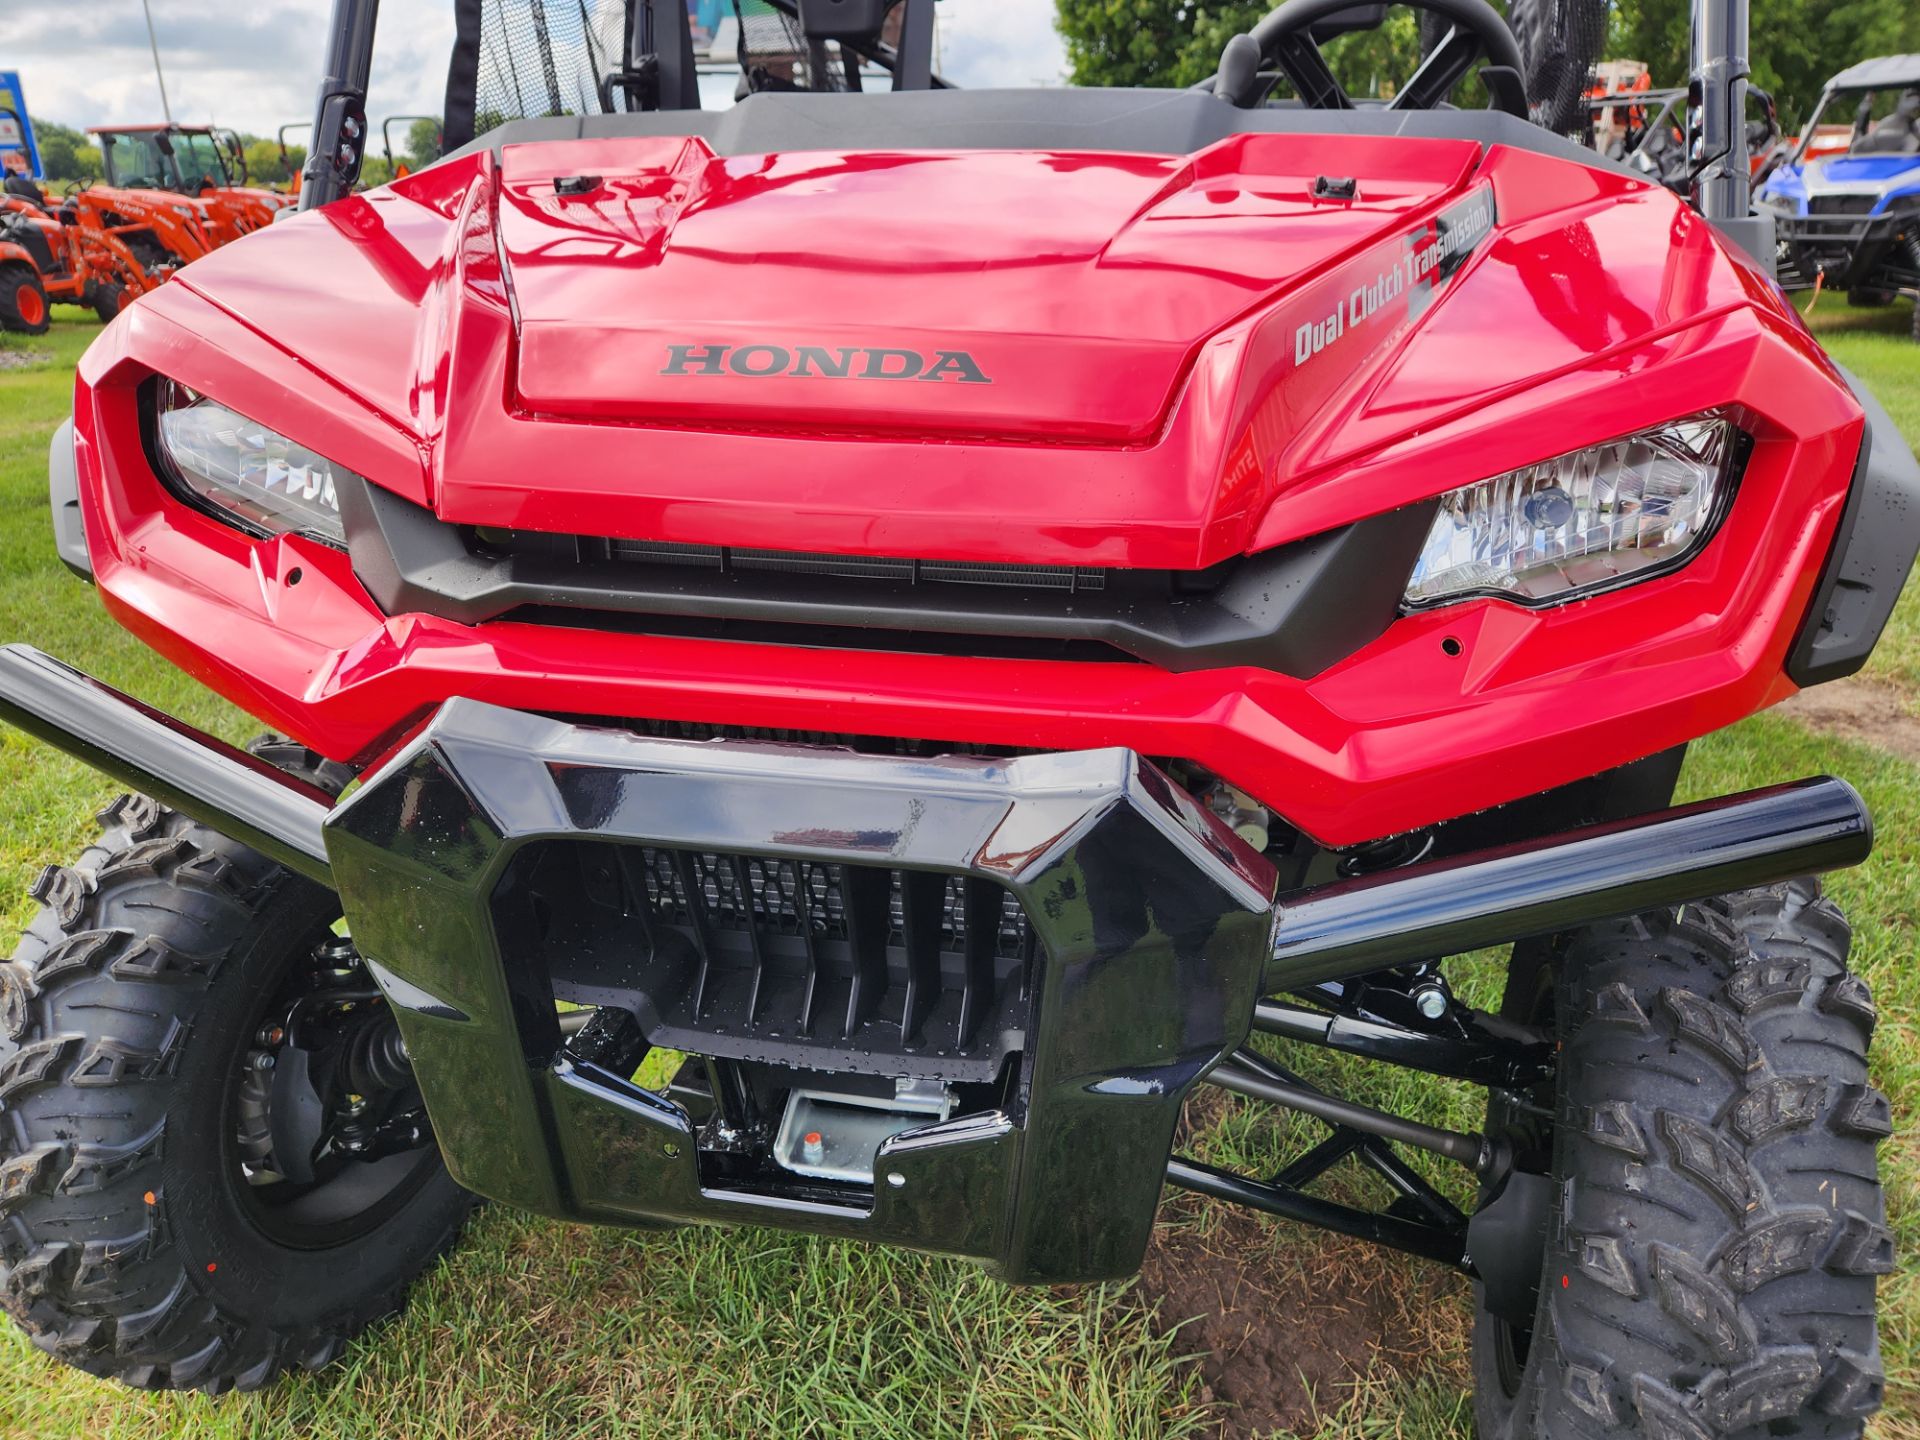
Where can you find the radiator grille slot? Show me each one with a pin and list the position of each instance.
(772, 958)
(941, 935)
(743, 560)
(747, 560)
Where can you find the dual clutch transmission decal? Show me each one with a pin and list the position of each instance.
(1387, 286)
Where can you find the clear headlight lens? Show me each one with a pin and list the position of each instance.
(249, 473)
(1581, 522)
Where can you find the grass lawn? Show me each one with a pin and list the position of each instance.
(540, 1329)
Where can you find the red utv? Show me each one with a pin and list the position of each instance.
(951, 612)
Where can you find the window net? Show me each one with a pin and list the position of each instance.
(517, 59)
(1560, 40)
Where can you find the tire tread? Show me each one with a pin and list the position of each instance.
(1716, 1146)
(87, 1265)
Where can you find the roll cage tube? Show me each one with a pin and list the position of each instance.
(386, 135)
(340, 123)
(281, 134)
(1723, 178)
(233, 155)
(1812, 124)
(1723, 181)
(107, 144)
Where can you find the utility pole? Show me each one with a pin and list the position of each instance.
(166, 110)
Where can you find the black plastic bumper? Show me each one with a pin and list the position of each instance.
(1873, 553)
(1153, 927)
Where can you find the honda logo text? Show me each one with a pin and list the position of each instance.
(821, 362)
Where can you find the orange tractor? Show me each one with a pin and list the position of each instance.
(190, 174)
(74, 258)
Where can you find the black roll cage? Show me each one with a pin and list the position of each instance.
(657, 73)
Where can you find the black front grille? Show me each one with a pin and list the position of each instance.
(745, 560)
(880, 935)
(1295, 609)
(1841, 204)
(800, 962)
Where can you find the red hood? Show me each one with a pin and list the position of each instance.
(1114, 359)
(1068, 291)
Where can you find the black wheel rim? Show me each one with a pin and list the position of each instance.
(1511, 1347)
(348, 1197)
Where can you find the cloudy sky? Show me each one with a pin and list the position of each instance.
(255, 65)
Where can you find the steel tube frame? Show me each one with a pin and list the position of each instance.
(1358, 1132)
(1448, 1246)
(237, 794)
(1469, 1150)
(1479, 1056)
(1491, 897)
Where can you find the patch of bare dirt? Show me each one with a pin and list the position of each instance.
(1870, 711)
(1285, 1322)
(1284, 1331)
(11, 359)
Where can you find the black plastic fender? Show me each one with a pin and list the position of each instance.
(1873, 552)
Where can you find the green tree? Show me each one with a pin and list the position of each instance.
(266, 165)
(1796, 44)
(423, 144)
(1169, 42)
(65, 153)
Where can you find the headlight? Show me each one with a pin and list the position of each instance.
(251, 475)
(1582, 522)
